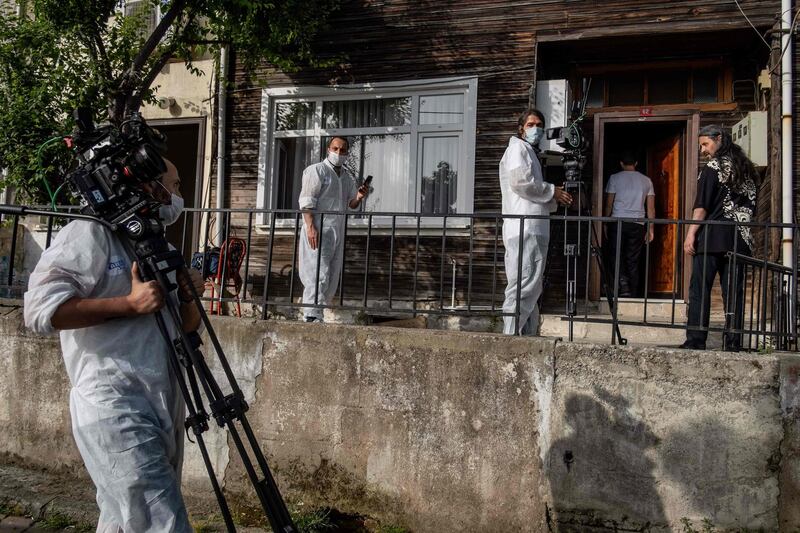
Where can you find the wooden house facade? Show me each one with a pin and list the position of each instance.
(429, 93)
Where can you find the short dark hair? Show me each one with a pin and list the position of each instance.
(523, 118)
(628, 158)
(330, 140)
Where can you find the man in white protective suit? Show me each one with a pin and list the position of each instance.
(526, 193)
(127, 410)
(327, 186)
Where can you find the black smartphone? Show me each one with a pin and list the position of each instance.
(368, 181)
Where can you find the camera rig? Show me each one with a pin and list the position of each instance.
(115, 184)
(571, 139)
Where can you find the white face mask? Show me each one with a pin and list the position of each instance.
(337, 160)
(534, 135)
(170, 213)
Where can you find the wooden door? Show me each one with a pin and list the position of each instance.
(664, 170)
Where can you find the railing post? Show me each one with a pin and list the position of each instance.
(366, 266)
(519, 275)
(441, 269)
(14, 228)
(615, 311)
(391, 257)
(321, 232)
(268, 269)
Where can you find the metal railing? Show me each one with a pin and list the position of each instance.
(401, 264)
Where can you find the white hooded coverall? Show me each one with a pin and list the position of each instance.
(524, 193)
(127, 410)
(323, 190)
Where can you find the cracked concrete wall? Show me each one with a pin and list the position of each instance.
(442, 431)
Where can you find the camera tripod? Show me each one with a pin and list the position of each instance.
(156, 260)
(572, 251)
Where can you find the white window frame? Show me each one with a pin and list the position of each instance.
(156, 13)
(466, 131)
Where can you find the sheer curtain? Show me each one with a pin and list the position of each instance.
(439, 180)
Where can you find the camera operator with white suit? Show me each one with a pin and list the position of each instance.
(526, 193)
(127, 410)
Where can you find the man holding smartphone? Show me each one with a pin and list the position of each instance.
(327, 187)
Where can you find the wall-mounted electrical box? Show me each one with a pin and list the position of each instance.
(751, 134)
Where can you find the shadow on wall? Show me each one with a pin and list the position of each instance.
(600, 475)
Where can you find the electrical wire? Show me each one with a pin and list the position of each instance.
(39, 150)
(751, 24)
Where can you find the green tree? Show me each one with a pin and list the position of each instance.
(62, 54)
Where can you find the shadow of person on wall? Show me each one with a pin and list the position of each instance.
(599, 471)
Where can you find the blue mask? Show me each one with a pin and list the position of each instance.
(534, 135)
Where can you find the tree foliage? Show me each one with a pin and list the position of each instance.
(62, 54)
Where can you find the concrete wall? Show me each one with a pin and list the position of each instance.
(444, 431)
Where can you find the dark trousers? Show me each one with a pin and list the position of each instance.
(631, 243)
(700, 297)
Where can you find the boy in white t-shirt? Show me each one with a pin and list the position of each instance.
(627, 194)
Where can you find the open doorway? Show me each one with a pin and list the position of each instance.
(185, 147)
(660, 151)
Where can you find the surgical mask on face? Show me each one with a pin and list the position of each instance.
(337, 160)
(169, 213)
(534, 135)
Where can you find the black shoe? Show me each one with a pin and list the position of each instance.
(311, 319)
(692, 345)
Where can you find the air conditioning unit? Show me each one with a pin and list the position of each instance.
(751, 134)
(553, 99)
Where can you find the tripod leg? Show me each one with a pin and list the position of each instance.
(271, 501)
(198, 421)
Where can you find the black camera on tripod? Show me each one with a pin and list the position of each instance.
(114, 163)
(572, 140)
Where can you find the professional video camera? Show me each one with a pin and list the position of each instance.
(114, 163)
(571, 139)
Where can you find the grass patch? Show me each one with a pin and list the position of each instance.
(392, 529)
(313, 521)
(11, 508)
(57, 520)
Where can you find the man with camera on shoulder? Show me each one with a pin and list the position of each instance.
(126, 407)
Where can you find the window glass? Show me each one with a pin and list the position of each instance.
(413, 143)
(294, 116)
(625, 90)
(372, 113)
(385, 158)
(439, 175)
(596, 93)
(667, 88)
(705, 88)
(292, 155)
(441, 109)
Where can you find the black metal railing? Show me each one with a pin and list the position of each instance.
(405, 265)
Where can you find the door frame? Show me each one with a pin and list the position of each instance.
(691, 118)
(200, 122)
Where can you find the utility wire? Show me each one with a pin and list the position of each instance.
(751, 24)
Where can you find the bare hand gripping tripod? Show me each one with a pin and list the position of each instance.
(156, 260)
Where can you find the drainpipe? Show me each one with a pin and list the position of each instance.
(786, 133)
(221, 117)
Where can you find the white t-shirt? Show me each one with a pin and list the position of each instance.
(629, 188)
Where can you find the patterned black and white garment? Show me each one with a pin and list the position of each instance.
(722, 201)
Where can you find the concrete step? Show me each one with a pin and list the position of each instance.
(591, 332)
